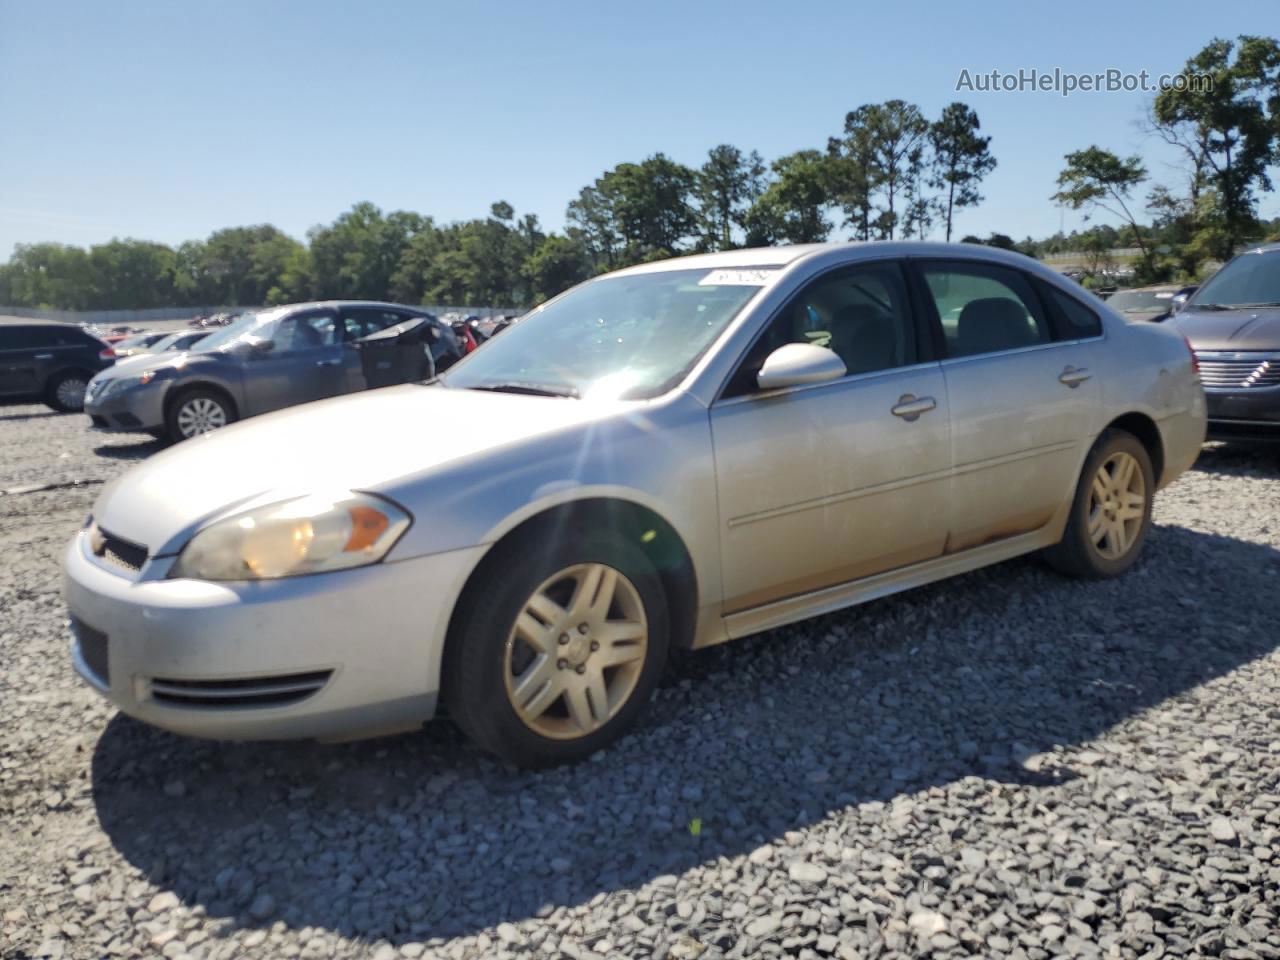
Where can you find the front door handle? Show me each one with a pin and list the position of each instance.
(909, 406)
(1074, 376)
(328, 363)
(43, 356)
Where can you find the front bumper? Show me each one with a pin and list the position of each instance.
(133, 409)
(1251, 413)
(330, 656)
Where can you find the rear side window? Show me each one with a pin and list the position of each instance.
(40, 335)
(359, 322)
(985, 308)
(1077, 321)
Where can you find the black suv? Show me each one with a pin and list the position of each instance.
(52, 361)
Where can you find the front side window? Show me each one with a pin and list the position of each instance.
(985, 308)
(305, 331)
(627, 337)
(862, 314)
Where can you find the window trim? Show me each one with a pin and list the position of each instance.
(917, 267)
(926, 348)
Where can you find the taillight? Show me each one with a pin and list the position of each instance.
(1195, 361)
(106, 353)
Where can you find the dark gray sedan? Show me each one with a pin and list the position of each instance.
(1233, 324)
(271, 359)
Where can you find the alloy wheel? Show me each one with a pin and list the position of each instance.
(576, 651)
(200, 415)
(1117, 505)
(70, 393)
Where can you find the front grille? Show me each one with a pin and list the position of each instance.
(277, 691)
(93, 650)
(121, 552)
(1220, 370)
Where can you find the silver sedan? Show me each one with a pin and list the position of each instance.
(668, 457)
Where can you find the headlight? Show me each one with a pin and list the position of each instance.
(311, 534)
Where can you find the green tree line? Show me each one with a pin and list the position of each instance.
(890, 173)
(1227, 135)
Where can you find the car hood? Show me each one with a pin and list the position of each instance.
(360, 442)
(1249, 328)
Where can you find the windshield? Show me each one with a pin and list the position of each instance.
(628, 337)
(1251, 278)
(232, 332)
(1143, 301)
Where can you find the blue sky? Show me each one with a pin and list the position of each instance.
(166, 120)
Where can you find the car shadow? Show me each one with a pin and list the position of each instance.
(1240, 459)
(137, 450)
(421, 835)
(34, 415)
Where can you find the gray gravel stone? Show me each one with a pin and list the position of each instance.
(1008, 764)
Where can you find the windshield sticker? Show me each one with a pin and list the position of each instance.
(752, 277)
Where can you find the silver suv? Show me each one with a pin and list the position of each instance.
(270, 359)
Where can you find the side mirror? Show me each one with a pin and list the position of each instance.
(262, 346)
(799, 363)
(1180, 299)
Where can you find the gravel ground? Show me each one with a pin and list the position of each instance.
(1005, 765)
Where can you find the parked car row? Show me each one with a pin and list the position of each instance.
(270, 359)
(668, 457)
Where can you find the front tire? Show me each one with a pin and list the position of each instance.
(1111, 513)
(555, 657)
(197, 411)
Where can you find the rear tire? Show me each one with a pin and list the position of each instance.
(556, 649)
(65, 392)
(1111, 512)
(198, 411)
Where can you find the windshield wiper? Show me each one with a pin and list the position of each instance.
(1262, 303)
(1213, 306)
(532, 389)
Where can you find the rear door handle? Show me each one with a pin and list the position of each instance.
(328, 363)
(43, 356)
(909, 406)
(1074, 376)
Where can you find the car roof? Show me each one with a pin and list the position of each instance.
(347, 303)
(31, 322)
(841, 252)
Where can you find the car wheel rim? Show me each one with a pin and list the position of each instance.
(576, 651)
(200, 415)
(70, 392)
(1117, 505)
